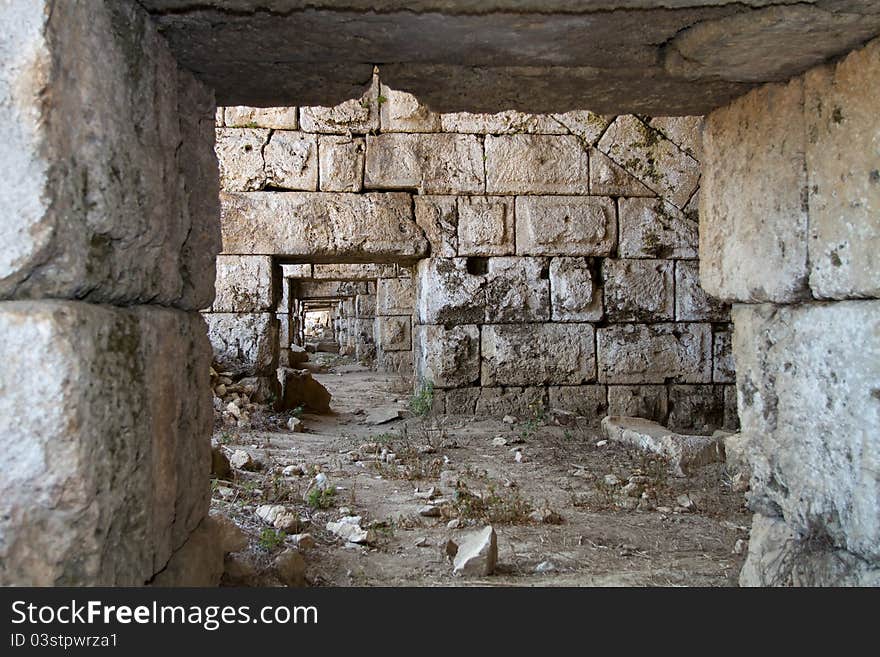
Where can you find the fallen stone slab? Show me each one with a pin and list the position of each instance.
(298, 388)
(349, 529)
(383, 415)
(477, 553)
(683, 452)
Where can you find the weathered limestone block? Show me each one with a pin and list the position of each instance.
(244, 343)
(485, 226)
(655, 353)
(341, 160)
(517, 290)
(731, 412)
(276, 118)
(650, 402)
(584, 124)
(291, 160)
(244, 284)
(723, 368)
(461, 401)
(447, 357)
(692, 304)
(807, 379)
(321, 225)
(574, 295)
(296, 271)
(365, 305)
(536, 164)
(299, 388)
(589, 401)
(447, 293)
(639, 290)
(106, 414)
(652, 158)
(503, 123)
(519, 402)
(394, 333)
(536, 354)
(565, 225)
(607, 178)
(400, 111)
(429, 163)
(437, 216)
(696, 408)
(352, 116)
(843, 169)
(240, 157)
(355, 272)
(102, 208)
(200, 561)
(395, 362)
(653, 228)
(686, 132)
(395, 296)
(330, 289)
(753, 201)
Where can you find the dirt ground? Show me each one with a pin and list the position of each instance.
(588, 530)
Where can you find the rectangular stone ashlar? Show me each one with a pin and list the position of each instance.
(536, 164)
(400, 111)
(240, 158)
(296, 271)
(341, 163)
(653, 228)
(537, 354)
(584, 124)
(607, 178)
(655, 353)
(517, 290)
(843, 168)
(653, 159)
(365, 305)
(589, 401)
(395, 296)
(321, 225)
(686, 132)
(447, 293)
(812, 427)
(502, 123)
(485, 226)
(437, 216)
(394, 333)
(357, 115)
(429, 163)
(692, 304)
(106, 413)
(448, 357)
(650, 402)
(244, 284)
(522, 402)
(291, 160)
(574, 294)
(696, 408)
(276, 118)
(118, 208)
(352, 272)
(753, 199)
(330, 289)
(565, 225)
(723, 369)
(639, 290)
(244, 343)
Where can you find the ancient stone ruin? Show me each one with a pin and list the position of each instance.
(279, 309)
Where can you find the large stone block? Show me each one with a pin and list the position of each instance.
(517, 290)
(753, 200)
(692, 303)
(244, 343)
(639, 290)
(102, 207)
(808, 380)
(565, 225)
(321, 225)
(485, 226)
(359, 272)
(653, 159)
(448, 357)
(395, 296)
(106, 414)
(448, 293)
(394, 333)
(655, 353)
(653, 228)
(341, 161)
(291, 160)
(524, 402)
(723, 369)
(402, 112)
(696, 408)
(537, 354)
(536, 164)
(429, 163)
(574, 294)
(276, 118)
(590, 401)
(584, 124)
(502, 123)
(843, 169)
(357, 115)
(650, 402)
(686, 132)
(437, 216)
(607, 178)
(240, 157)
(244, 284)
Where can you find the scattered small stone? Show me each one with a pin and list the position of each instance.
(611, 480)
(450, 549)
(241, 460)
(562, 418)
(685, 502)
(220, 466)
(627, 503)
(509, 419)
(430, 511)
(302, 541)
(349, 529)
(455, 523)
(422, 542)
(281, 518)
(320, 482)
(295, 425)
(427, 449)
(632, 489)
(233, 409)
(293, 471)
(499, 441)
(664, 509)
(741, 546)
(545, 567)
(425, 494)
(344, 511)
(383, 415)
(601, 443)
(477, 554)
(546, 517)
(225, 492)
(518, 457)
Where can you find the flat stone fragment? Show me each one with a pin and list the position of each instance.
(655, 353)
(448, 357)
(477, 553)
(684, 453)
(565, 225)
(536, 164)
(653, 228)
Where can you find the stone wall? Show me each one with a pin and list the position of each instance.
(110, 234)
(790, 233)
(555, 256)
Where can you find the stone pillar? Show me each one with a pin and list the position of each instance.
(395, 299)
(789, 232)
(110, 230)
